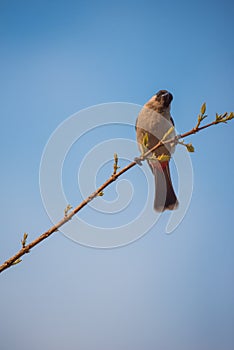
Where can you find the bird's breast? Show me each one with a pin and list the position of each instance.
(156, 126)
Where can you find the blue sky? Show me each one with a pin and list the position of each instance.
(162, 291)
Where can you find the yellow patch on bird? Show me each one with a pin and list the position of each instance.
(163, 158)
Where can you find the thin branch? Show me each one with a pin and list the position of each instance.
(15, 259)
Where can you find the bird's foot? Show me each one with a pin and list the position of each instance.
(138, 161)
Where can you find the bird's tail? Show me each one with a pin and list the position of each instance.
(165, 197)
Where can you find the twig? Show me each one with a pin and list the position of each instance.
(15, 259)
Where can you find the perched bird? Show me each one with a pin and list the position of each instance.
(152, 123)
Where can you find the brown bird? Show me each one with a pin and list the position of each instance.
(153, 121)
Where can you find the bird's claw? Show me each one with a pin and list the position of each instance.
(138, 161)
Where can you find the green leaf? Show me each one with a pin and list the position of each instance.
(17, 261)
(169, 131)
(144, 144)
(145, 140)
(203, 109)
(222, 118)
(189, 147)
(224, 115)
(230, 116)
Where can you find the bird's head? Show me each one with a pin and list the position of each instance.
(161, 101)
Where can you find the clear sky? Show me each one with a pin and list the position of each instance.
(166, 292)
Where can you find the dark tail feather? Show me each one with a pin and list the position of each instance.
(165, 197)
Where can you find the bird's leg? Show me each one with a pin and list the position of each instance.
(138, 160)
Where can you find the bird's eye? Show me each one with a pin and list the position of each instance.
(160, 94)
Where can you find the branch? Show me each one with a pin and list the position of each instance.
(68, 215)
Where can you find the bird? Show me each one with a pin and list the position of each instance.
(152, 124)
